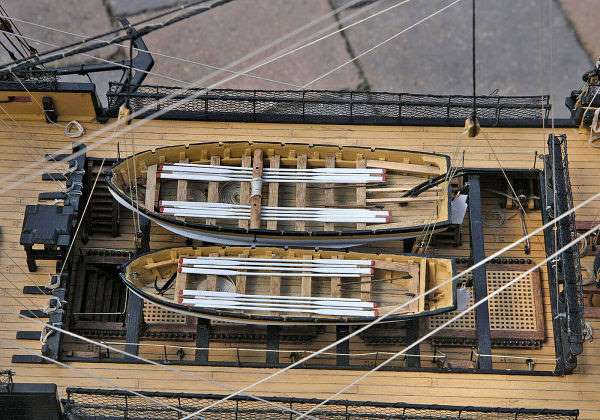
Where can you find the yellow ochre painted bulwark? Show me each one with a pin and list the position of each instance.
(69, 105)
(514, 147)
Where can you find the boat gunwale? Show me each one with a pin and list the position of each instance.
(266, 233)
(245, 318)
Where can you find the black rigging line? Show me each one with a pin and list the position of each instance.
(21, 41)
(103, 43)
(474, 62)
(8, 51)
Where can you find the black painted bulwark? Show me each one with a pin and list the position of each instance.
(482, 316)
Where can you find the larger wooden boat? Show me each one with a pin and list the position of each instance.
(295, 286)
(284, 194)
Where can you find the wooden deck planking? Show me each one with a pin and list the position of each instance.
(514, 147)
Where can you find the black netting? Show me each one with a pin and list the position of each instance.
(96, 403)
(331, 106)
(565, 270)
(33, 79)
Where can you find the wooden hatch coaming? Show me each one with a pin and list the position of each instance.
(404, 170)
(386, 289)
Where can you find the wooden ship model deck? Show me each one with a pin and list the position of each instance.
(445, 371)
(522, 355)
(284, 194)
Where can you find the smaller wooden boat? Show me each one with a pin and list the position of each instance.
(240, 193)
(290, 286)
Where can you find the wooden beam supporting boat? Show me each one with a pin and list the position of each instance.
(306, 281)
(245, 187)
(151, 185)
(361, 191)
(256, 189)
(182, 184)
(212, 279)
(213, 189)
(273, 191)
(301, 163)
(329, 194)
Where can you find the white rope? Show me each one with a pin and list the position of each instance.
(87, 374)
(31, 143)
(445, 324)
(29, 172)
(154, 73)
(242, 391)
(31, 95)
(414, 299)
(74, 129)
(151, 362)
(426, 18)
(81, 217)
(279, 40)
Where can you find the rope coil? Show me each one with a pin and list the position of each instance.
(74, 129)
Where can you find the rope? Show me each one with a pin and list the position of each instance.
(373, 353)
(382, 42)
(87, 203)
(35, 99)
(445, 324)
(113, 385)
(245, 58)
(584, 203)
(74, 129)
(30, 169)
(31, 144)
(408, 302)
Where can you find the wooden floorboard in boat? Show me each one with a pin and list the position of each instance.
(514, 147)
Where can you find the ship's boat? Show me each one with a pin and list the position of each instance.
(265, 285)
(238, 193)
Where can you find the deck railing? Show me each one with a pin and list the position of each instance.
(320, 106)
(85, 403)
(565, 271)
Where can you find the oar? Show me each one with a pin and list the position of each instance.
(325, 270)
(306, 300)
(278, 304)
(204, 204)
(321, 217)
(327, 261)
(270, 264)
(269, 178)
(226, 272)
(240, 295)
(192, 166)
(331, 312)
